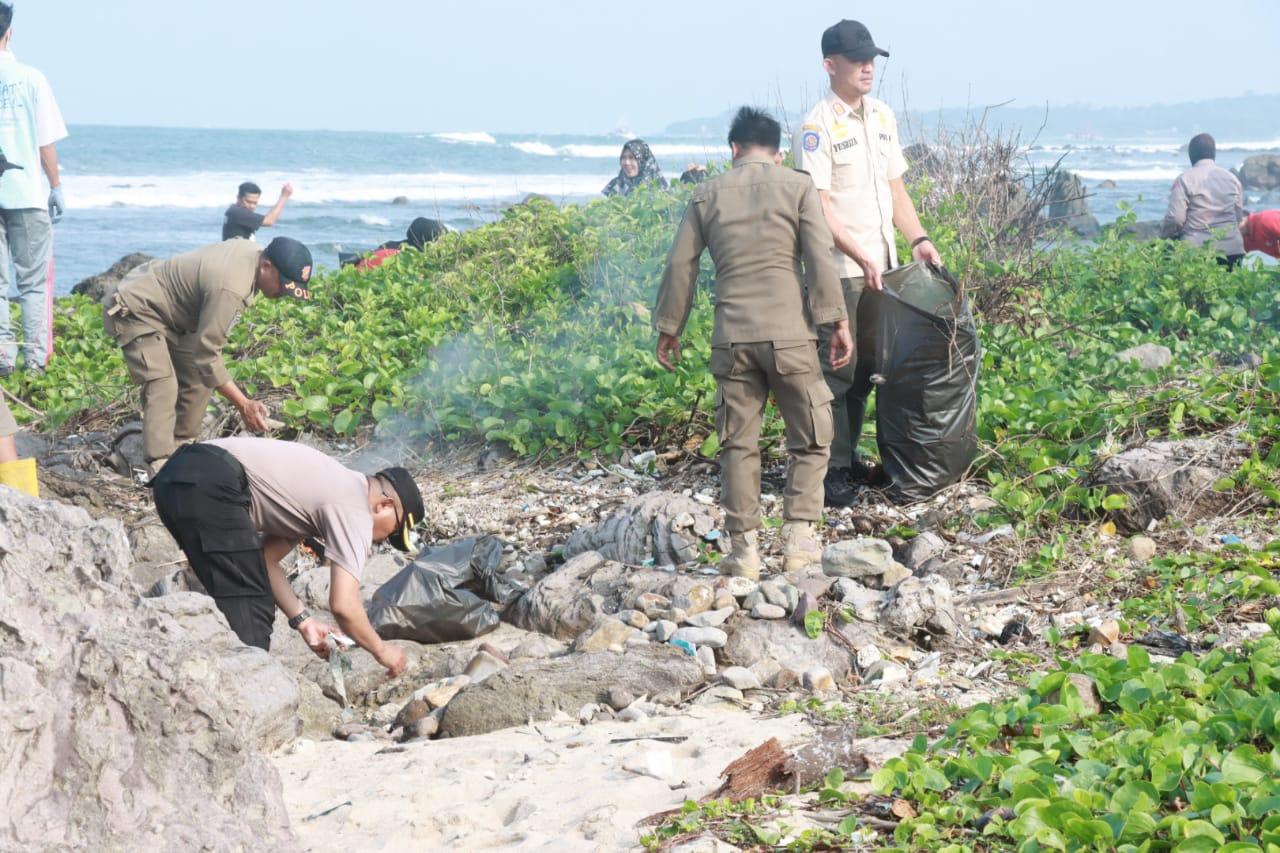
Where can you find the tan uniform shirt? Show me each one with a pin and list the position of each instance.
(297, 492)
(760, 221)
(853, 158)
(198, 294)
(1206, 201)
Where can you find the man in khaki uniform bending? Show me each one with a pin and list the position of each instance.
(849, 143)
(761, 221)
(172, 317)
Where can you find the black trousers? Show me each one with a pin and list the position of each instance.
(202, 496)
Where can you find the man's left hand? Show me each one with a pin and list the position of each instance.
(841, 351)
(668, 351)
(927, 252)
(313, 633)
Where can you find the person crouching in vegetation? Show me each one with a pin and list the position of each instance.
(1206, 204)
(766, 231)
(421, 232)
(636, 166)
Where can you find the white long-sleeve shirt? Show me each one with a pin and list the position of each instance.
(1206, 202)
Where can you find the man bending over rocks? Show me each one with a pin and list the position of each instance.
(761, 222)
(218, 497)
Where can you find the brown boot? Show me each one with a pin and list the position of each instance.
(800, 546)
(743, 560)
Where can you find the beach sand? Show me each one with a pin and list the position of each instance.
(545, 787)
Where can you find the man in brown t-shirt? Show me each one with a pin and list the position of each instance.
(237, 506)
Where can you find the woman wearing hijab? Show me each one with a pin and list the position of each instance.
(637, 166)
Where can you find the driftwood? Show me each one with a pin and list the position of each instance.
(833, 748)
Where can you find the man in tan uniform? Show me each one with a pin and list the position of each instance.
(171, 319)
(761, 221)
(849, 143)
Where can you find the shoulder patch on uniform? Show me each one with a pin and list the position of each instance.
(809, 140)
(801, 171)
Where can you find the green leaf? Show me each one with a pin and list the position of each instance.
(1115, 501)
(814, 620)
(1241, 766)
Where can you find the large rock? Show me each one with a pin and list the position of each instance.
(754, 640)
(536, 689)
(155, 554)
(1169, 478)
(921, 609)
(660, 526)
(1147, 356)
(1260, 172)
(125, 726)
(95, 285)
(569, 600)
(1069, 205)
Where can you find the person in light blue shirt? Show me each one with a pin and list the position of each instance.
(30, 125)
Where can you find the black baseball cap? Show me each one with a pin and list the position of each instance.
(851, 39)
(293, 260)
(410, 501)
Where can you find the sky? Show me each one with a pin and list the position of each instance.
(596, 67)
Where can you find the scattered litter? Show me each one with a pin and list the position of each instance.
(327, 811)
(1230, 539)
(663, 738)
(982, 539)
(686, 646)
(339, 663)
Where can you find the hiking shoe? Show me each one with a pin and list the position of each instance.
(800, 546)
(836, 488)
(864, 474)
(743, 560)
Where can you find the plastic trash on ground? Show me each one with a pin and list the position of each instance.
(447, 593)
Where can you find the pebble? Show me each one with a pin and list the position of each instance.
(741, 587)
(664, 629)
(804, 606)
(650, 603)
(632, 715)
(754, 598)
(784, 679)
(634, 618)
(921, 549)
(772, 592)
(721, 697)
(1118, 650)
(892, 575)
(482, 666)
(818, 680)
(768, 611)
(361, 737)
(697, 600)
(740, 678)
(867, 655)
(707, 658)
(606, 633)
(710, 618)
(635, 641)
(1141, 548)
(886, 672)
(438, 694)
(725, 601)
(619, 698)
(1105, 633)
(791, 597)
(414, 710)
(426, 727)
(712, 637)
(535, 647)
(302, 746)
(587, 713)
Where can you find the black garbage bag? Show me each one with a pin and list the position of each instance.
(447, 593)
(927, 374)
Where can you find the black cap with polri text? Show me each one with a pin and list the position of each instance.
(293, 260)
(851, 39)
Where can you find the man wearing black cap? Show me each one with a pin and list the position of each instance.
(219, 497)
(849, 144)
(171, 319)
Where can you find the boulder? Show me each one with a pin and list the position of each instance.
(1169, 478)
(857, 558)
(1147, 356)
(96, 285)
(128, 724)
(1260, 172)
(155, 554)
(532, 689)
(921, 549)
(127, 454)
(753, 640)
(1069, 205)
(659, 526)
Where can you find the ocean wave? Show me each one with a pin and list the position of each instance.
(1153, 173)
(1270, 145)
(217, 189)
(540, 148)
(475, 137)
(370, 219)
(659, 149)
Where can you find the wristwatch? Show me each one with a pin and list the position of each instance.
(303, 615)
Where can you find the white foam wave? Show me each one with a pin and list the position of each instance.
(217, 189)
(1270, 145)
(1154, 173)
(475, 137)
(660, 149)
(540, 148)
(370, 219)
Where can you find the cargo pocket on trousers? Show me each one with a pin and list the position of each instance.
(234, 561)
(792, 358)
(820, 398)
(147, 357)
(721, 363)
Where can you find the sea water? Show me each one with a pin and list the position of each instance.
(164, 190)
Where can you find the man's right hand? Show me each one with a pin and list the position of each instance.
(286, 191)
(871, 274)
(314, 632)
(393, 658)
(841, 350)
(254, 415)
(668, 351)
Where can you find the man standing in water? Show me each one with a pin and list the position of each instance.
(242, 218)
(762, 223)
(849, 143)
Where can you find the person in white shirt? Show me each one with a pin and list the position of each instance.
(849, 145)
(30, 127)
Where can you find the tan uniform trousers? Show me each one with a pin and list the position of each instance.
(745, 374)
(174, 398)
(851, 385)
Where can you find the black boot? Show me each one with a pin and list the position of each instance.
(836, 488)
